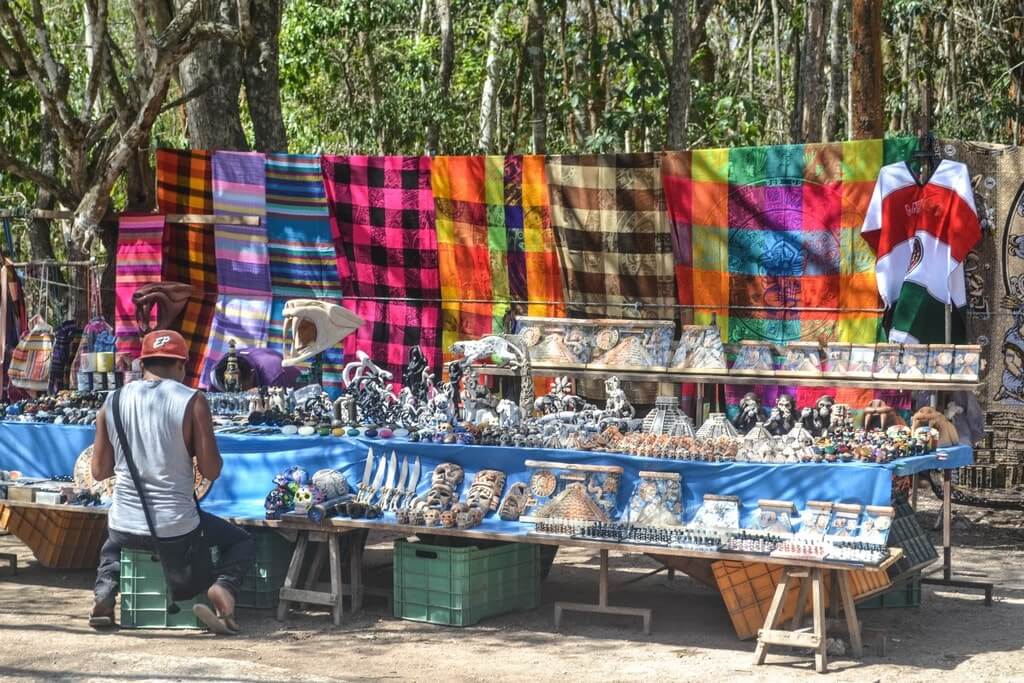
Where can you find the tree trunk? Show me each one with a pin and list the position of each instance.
(836, 71)
(376, 97)
(489, 95)
(797, 112)
(866, 70)
(927, 81)
(214, 117)
(704, 63)
(593, 68)
(444, 77)
(517, 97)
(536, 19)
(262, 84)
(812, 67)
(679, 76)
(780, 88)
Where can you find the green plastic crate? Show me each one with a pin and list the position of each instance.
(144, 594)
(261, 586)
(461, 586)
(904, 594)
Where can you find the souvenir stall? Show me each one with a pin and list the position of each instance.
(498, 348)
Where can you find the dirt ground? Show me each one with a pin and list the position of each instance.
(952, 636)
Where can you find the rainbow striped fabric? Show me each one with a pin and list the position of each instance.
(301, 251)
(139, 262)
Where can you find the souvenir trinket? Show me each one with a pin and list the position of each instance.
(858, 552)
(783, 416)
(716, 426)
(306, 497)
(593, 494)
(967, 363)
(700, 350)
(887, 361)
(312, 326)
(515, 501)
(862, 360)
(930, 417)
(800, 359)
(814, 519)
(557, 341)
(657, 500)
(718, 512)
(845, 519)
(485, 491)
(940, 362)
(331, 482)
(753, 358)
(837, 359)
(876, 523)
(880, 415)
(667, 418)
(914, 363)
(752, 543)
(750, 413)
(808, 549)
(774, 516)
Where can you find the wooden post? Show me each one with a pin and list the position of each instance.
(818, 600)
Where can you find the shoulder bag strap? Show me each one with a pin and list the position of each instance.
(115, 407)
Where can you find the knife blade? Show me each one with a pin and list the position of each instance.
(414, 480)
(403, 476)
(367, 473)
(392, 471)
(378, 479)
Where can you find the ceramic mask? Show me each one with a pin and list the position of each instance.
(312, 326)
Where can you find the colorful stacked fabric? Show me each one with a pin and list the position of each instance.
(243, 270)
(139, 262)
(613, 241)
(184, 184)
(382, 223)
(495, 243)
(301, 252)
(764, 234)
(65, 345)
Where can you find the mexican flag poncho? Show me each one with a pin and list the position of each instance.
(921, 233)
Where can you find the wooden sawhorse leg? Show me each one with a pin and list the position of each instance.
(290, 594)
(813, 637)
(12, 560)
(602, 606)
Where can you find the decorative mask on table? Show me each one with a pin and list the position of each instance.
(169, 299)
(880, 415)
(312, 326)
(485, 491)
(331, 482)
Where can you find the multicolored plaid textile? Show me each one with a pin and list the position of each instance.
(65, 345)
(762, 234)
(30, 361)
(239, 189)
(494, 241)
(613, 241)
(382, 222)
(139, 261)
(302, 259)
(184, 184)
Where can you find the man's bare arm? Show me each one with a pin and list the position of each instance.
(202, 444)
(102, 449)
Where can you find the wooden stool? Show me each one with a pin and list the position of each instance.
(333, 598)
(602, 606)
(814, 637)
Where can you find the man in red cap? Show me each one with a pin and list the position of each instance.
(167, 426)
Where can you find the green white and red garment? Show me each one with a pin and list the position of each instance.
(921, 234)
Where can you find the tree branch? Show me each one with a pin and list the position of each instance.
(98, 18)
(188, 97)
(32, 174)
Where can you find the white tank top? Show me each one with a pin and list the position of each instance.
(153, 416)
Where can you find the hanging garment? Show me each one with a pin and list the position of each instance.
(243, 269)
(13, 320)
(382, 223)
(921, 232)
(184, 184)
(139, 262)
(764, 235)
(65, 345)
(495, 243)
(30, 362)
(301, 252)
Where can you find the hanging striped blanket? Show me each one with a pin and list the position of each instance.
(243, 271)
(382, 223)
(184, 184)
(301, 251)
(139, 259)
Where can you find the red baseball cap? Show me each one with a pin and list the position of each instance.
(164, 344)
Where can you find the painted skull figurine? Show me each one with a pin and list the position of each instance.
(312, 326)
(431, 517)
(448, 519)
(485, 491)
(306, 497)
(276, 504)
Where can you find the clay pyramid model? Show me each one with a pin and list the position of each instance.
(572, 503)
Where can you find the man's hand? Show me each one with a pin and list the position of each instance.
(102, 449)
(199, 438)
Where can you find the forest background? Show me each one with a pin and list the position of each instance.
(90, 88)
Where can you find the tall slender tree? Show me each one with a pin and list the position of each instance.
(866, 91)
(679, 76)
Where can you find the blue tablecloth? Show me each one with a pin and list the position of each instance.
(250, 463)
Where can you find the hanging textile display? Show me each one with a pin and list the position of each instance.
(921, 231)
(184, 184)
(139, 262)
(994, 275)
(495, 243)
(65, 345)
(243, 269)
(382, 223)
(30, 361)
(13, 319)
(614, 245)
(300, 248)
(762, 236)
